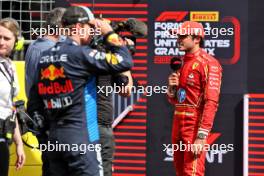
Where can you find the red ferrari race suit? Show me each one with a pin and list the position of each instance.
(196, 103)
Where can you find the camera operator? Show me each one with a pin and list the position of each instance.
(105, 107)
(53, 21)
(9, 129)
(61, 88)
(105, 114)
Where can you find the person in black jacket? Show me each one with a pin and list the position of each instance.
(105, 114)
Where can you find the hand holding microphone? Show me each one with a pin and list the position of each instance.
(173, 80)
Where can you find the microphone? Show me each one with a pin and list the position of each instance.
(176, 63)
(136, 27)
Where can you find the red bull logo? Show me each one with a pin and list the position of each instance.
(55, 88)
(52, 73)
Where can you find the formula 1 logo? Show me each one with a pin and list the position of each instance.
(222, 35)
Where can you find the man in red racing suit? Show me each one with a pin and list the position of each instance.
(194, 90)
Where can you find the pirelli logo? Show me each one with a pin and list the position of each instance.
(204, 16)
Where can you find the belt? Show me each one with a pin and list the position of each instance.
(184, 113)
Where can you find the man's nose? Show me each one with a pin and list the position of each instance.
(1, 40)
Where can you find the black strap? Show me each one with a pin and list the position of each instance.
(2, 122)
(11, 82)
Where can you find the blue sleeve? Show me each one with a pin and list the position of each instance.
(31, 62)
(118, 60)
(35, 102)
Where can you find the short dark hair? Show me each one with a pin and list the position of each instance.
(201, 44)
(53, 19)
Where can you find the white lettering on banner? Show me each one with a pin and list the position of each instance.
(213, 155)
(162, 34)
(167, 43)
(219, 39)
(166, 25)
(210, 51)
(58, 102)
(167, 51)
(53, 59)
(169, 153)
(217, 43)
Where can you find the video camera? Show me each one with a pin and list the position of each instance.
(34, 124)
(135, 27)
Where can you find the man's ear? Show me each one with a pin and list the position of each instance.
(78, 25)
(197, 40)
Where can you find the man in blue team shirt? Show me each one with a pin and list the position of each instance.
(33, 54)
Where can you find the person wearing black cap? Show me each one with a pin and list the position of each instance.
(64, 91)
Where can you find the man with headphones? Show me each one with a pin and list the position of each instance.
(64, 90)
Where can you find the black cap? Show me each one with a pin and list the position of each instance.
(77, 14)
